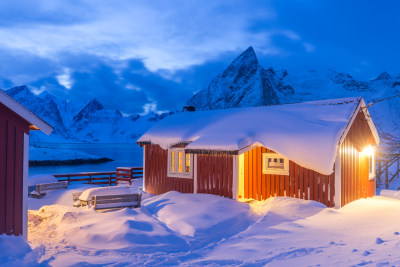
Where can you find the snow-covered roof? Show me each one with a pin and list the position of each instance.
(25, 113)
(307, 133)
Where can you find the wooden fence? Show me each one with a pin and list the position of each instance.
(99, 178)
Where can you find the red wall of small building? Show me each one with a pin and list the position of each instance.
(214, 173)
(12, 129)
(156, 179)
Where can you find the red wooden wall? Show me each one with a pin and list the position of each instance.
(215, 174)
(300, 183)
(355, 165)
(156, 180)
(12, 129)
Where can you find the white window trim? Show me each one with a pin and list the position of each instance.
(285, 170)
(373, 174)
(179, 174)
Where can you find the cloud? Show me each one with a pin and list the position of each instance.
(137, 56)
(165, 34)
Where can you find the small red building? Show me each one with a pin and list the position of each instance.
(15, 123)
(320, 150)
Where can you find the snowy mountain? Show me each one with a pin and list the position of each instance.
(77, 122)
(245, 83)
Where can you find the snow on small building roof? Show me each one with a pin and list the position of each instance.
(307, 133)
(29, 116)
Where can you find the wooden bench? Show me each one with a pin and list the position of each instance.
(117, 201)
(41, 188)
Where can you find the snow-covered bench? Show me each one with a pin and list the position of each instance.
(117, 201)
(40, 189)
(107, 197)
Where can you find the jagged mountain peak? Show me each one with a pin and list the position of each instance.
(247, 57)
(91, 108)
(18, 90)
(383, 76)
(245, 64)
(95, 104)
(243, 83)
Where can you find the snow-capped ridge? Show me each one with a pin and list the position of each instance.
(383, 76)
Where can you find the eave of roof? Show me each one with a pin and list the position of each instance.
(36, 122)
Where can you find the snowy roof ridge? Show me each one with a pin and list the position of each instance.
(308, 133)
(25, 113)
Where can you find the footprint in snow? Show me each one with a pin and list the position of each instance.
(396, 233)
(366, 253)
(354, 250)
(379, 241)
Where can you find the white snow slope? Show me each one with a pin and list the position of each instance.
(206, 230)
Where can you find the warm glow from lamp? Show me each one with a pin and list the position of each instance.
(368, 151)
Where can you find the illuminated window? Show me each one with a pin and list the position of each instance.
(187, 163)
(274, 163)
(180, 163)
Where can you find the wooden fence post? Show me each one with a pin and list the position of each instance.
(387, 173)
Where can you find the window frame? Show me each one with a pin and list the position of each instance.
(177, 173)
(265, 170)
(371, 175)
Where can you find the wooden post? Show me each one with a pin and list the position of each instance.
(90, 178)
(398, 165)
(69, 180)
(109, 179)
(387, 173)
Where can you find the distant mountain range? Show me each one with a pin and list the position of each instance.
(78, 122)
(246, 83)
(243, 83)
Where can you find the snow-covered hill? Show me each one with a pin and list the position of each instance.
(77, 122)
(245, 83)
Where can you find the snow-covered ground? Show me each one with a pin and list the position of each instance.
(200, 229)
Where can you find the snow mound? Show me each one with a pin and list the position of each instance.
(104, 191)
(291, 208)
(125, 229)
(41, 179)
(390, 193)
(202, 216)
(15, 251)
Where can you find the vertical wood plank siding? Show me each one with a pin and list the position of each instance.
(355, 165)
(156, 180)
(215, 174)
(300, 183)
(12, 129)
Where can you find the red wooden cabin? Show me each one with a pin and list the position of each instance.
(15, 123)
(320, 150)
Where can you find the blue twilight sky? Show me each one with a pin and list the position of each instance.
(142, 56)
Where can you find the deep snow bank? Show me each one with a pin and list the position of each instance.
(169, 222)
(203, 216)
(15, 251)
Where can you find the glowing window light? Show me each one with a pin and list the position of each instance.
(368, 151)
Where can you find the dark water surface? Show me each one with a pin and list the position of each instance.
(124, 155)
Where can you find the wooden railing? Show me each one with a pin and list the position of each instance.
(99, 178)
